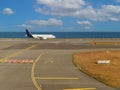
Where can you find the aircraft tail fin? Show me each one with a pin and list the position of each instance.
(29, 34)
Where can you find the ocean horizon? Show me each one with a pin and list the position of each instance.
(64, 34)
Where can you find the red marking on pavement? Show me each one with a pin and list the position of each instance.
(18, 61)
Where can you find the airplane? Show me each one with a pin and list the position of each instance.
(39, 36)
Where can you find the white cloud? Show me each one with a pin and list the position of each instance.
(59, 7)
(43, 23)
(78, 9)
(25, 26)
(8, 11)
(110, 9)
(114, 19)
(87, 13)
(63, 4)
(87, 27)
(108, 12)
(85, 24)
(117, 0)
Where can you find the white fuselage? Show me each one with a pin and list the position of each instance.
(39, 36)
(43, 36)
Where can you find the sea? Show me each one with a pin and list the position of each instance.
(65, 34)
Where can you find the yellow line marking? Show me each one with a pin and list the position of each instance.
(33, 75)
(81, 89)
(56, 78)
(16, 53)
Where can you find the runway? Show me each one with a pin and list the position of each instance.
(52, 67)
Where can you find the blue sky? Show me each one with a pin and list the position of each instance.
(60, 15)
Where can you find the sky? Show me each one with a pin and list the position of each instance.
(60, 15)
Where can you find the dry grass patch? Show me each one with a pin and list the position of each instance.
(107, 73)
(105, 43)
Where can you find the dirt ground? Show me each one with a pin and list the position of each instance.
(107, 73)
(105, 43)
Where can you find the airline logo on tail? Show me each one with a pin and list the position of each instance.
(38, 36)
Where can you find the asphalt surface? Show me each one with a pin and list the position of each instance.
(52, 67)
